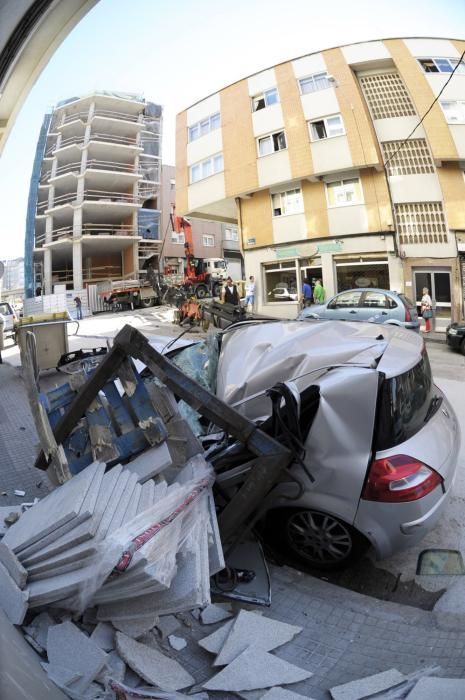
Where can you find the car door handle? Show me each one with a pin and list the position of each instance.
(384, 313)
(353, 311)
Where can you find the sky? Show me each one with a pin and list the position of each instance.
(176, 52)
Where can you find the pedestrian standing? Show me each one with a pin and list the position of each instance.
(250, 293)
(319, 293)
(78, 302)
(427, 309)
(230, 293)
(306, 293)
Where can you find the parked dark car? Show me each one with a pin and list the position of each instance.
(455, 336)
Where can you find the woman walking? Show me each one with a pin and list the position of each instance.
(426, 309)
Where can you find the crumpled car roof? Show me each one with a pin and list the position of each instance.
(255, 356)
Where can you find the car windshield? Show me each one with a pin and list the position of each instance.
(404, 405)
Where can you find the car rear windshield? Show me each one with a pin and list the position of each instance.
(404, 402)
(408, 302)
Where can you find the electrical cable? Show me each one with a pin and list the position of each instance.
(459, 62)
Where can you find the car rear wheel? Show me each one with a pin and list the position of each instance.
(462, 347)
(316, 539)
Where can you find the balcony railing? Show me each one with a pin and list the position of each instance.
(65, 142)
(89, 274)
(110, 197)
(74, 117)
(114, 138)
(108, 230)
(113, 166)
(116, 115)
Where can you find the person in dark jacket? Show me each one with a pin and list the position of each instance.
(230, 293)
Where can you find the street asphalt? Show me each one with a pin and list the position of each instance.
(356, 628)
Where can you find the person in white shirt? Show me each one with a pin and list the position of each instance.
(250, 293)
(427, 309)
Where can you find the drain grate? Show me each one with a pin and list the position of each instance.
(440, 562)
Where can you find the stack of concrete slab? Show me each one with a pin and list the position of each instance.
(127, 539)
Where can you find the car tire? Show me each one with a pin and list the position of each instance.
(201, 292)
(146, 303)
(462, 347)
(313, 539)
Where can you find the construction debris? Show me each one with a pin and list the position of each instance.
(365, 687)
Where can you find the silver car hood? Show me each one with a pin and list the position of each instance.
(254, 357)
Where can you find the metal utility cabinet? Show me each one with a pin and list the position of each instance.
(51, 336)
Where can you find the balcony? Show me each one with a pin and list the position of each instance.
(117, 139)
(89, 274)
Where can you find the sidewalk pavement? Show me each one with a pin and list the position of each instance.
(346, 635)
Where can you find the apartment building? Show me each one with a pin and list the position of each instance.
(211, 239)
(327, 167)
(94, 199)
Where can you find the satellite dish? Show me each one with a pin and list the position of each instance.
(2, 269)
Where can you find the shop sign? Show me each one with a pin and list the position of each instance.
(330, 247)
(287, 253)
(251, 241)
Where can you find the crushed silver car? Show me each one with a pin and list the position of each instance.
(376, 442)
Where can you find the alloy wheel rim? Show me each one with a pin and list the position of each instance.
(319, 537)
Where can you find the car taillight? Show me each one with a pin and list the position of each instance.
(408, 315)
(399, 479)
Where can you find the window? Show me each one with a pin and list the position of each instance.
(421, 222)
(454, 111)
(289, 202)
(313, 83)
(375, 300)
(410, 157)
(208, 241)
(177, 237)
(172, 184)
(344, 192)
(345, 300)
(442, 65)
(205, 126)
(207, 167)
(387, 96)
(230, 234)
(265, 99)
(326, 128)
(281, 282)
(272, 143)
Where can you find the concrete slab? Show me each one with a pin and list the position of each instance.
(248, 630)
(70, 648)
(276, 693)
(104, 636)
(118, 516)
(167, 624)
(12, 564)
(364, 687)
(13, 601)
(147, 495)
(60, 675)
(215, 548)
(137, 627)
(81, 533)
(55, 510)
(5, 512)
(153, 666)
(435, 688)
(254, 669)
(115, 666)
(216, 613)
(150, 463)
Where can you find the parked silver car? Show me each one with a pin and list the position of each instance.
(367, 304)
(378, 440)
(9, 318)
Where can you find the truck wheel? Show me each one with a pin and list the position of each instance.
(201, 292)
(147, 303)
(217, 289)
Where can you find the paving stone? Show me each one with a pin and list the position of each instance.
(177, 643)
(215, 613)
(153, 666)
(136, 627)
(367, 686)
(248, 630)
(436, 688)
(104, 636)
(13, 600)
(255, 669)
(79, 534)
(276, 693)
(60, 508)
(214, 642)
(167, 624)
(68, 647)
(38, 629)
(150, 463)
(12, 564)
(60, 675)
(449, 610)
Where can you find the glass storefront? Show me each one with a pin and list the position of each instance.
(350, 275)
